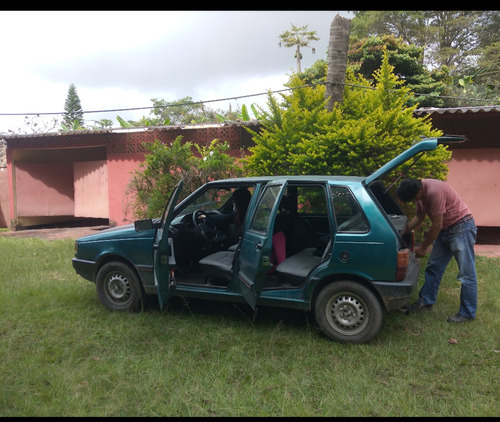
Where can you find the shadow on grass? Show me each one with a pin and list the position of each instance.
(239, 312)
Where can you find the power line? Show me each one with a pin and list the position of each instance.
(149, 107)
(245, 96)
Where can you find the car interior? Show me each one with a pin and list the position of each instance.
(205, 255)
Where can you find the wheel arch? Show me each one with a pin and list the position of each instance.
(105, 259)
(333, 278)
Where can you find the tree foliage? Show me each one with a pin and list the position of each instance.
(73, 116)
(164, 165)
(370, 127)
(451, 37)
(365, 57)
(462, 44)
(182, 111)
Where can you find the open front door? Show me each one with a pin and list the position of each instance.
(163, 251)
(256, 243)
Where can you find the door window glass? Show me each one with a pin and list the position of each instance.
(311, 200)
(348, 214)
(260, 221)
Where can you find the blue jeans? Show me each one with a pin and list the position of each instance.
(458, 242)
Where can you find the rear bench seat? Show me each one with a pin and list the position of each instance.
(293, 270)
(296, 268)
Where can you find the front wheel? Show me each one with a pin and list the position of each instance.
(348, 312)
(118, 287)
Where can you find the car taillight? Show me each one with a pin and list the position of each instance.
(403, 261)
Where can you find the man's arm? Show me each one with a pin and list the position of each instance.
(414, 223)
(436, 227)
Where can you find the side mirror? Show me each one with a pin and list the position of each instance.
(143, 225)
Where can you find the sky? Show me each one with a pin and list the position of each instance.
(123, 59)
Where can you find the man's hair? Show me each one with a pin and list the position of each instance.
(408, 189)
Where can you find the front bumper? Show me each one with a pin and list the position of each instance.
(84, 268)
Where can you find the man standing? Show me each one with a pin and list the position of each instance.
(452, 233)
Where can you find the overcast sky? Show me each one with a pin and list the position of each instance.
(122, 59)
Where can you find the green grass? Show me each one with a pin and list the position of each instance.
(63, 354)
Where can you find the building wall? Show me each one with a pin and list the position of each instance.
(474, 174)
(90, 181)
(120, 169)
(4, 198)
(44, 189)
(475, 164)
(46, 165)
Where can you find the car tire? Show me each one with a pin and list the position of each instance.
(348, 312)
(119, 288)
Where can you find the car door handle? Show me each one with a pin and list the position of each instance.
(258, 245)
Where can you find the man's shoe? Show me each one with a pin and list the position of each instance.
(458, 318)
(417, 306)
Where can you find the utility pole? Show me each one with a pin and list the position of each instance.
(337, 60)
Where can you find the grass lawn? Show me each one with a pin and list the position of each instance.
(63, 354)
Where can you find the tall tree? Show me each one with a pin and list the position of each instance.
(450, 37)
(463, 45)
(73, 116)
(366, 55)
(298, 37)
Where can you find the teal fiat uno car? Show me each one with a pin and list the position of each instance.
(342, 255)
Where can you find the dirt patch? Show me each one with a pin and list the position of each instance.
(54, 233)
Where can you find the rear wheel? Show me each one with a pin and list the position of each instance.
(119, 288)
(348, 312)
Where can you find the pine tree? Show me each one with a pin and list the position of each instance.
(73, 118)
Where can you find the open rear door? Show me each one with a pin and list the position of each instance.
(256, 243)
(427, 144)
(163, 252)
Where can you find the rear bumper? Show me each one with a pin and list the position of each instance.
(396, 294)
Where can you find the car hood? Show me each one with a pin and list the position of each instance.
(120, 232)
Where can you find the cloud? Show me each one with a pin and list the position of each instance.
(122, 59)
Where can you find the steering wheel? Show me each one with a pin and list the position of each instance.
(205, 228)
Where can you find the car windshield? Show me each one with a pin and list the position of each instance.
(209, 200)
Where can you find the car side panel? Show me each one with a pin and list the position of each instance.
(137, 252)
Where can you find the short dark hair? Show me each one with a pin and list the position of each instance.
(408, 189)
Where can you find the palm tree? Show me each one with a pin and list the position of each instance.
(298, 37)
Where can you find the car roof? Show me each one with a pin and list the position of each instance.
(289, 178)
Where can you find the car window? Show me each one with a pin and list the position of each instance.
(260, 220)
(311, 200)
(348, 214)
(211, 199)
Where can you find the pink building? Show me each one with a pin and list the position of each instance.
(474, 165)
(66, 176)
